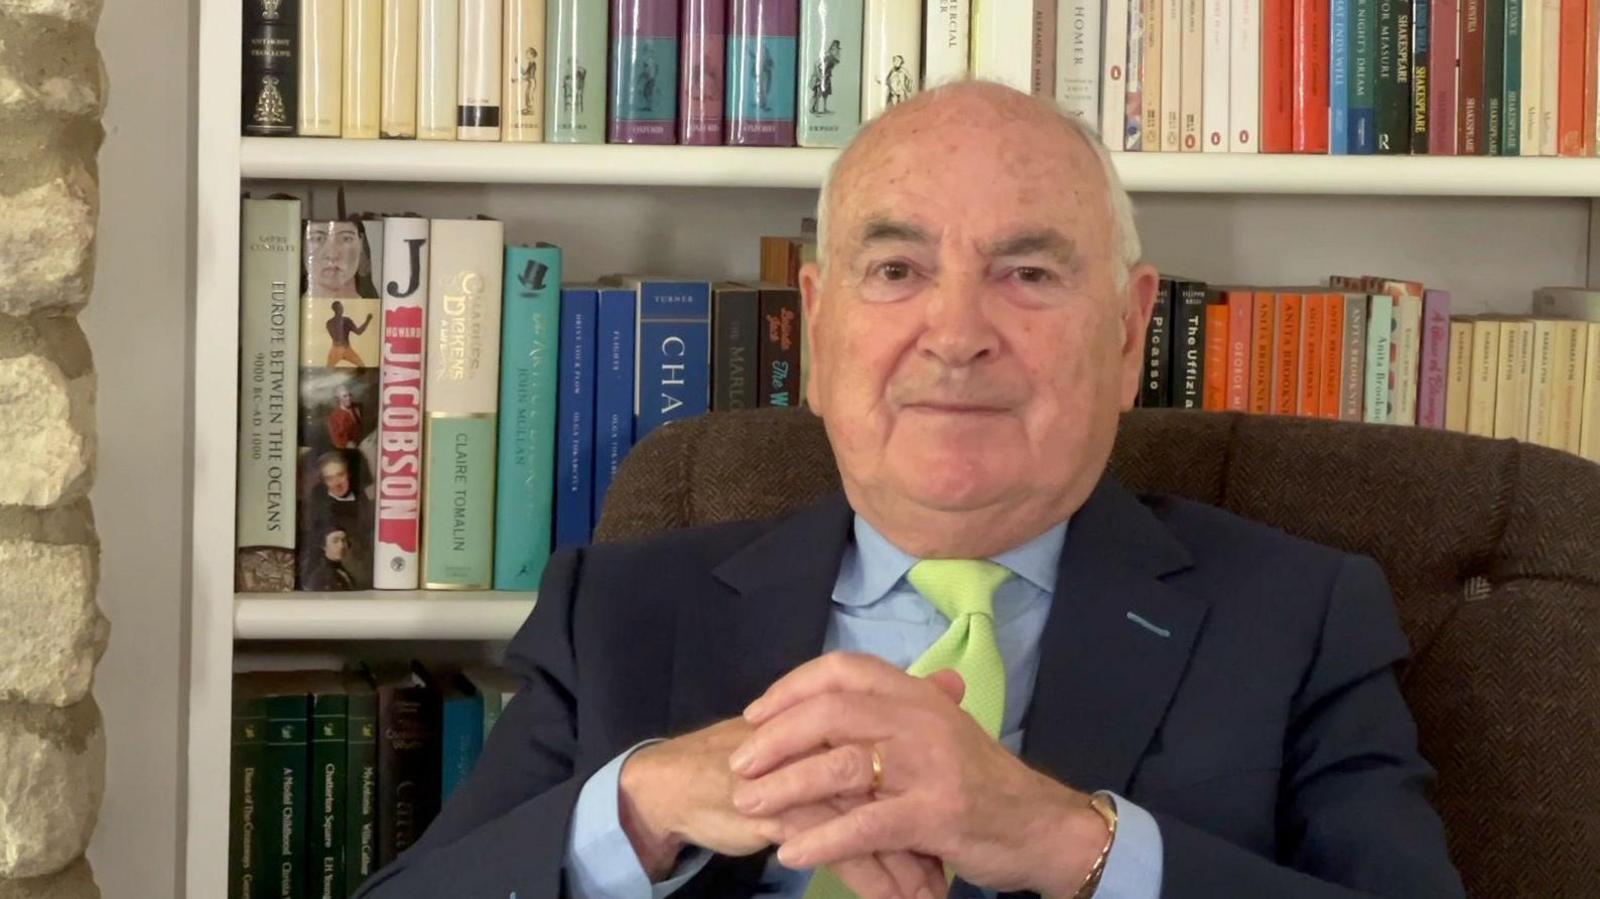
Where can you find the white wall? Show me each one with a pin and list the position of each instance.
(137, 324)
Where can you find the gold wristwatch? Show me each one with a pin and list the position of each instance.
(1107, 809)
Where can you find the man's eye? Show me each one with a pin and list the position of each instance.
(894, 271)
(1031, 275)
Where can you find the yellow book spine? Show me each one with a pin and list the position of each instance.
(522, 100)
(321, 67)
(1566, 413)
(1458, 390)
(1541, 393)
(1589, 442)
(363, 50)
(398, 78)
(1485, 381)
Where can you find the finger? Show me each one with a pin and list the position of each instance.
(914, 873)
(868, 878)
(883, 826)
(832, 719)
(950, 683)
(840, 771)
(834, 672)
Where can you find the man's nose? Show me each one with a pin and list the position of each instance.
(957, 331)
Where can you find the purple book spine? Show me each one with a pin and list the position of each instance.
(1435, 375)
(644, 71)
(704, 50)
(763, 49)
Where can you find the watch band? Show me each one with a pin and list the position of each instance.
(1106, 808)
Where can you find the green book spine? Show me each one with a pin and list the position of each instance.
(1511, 112)
(830, 72)
(1392, 87)
(287, 760)
(329, 771)
(577, 36)
(361, 786)
(1494, 75)
(247, 795)
(1380, 316)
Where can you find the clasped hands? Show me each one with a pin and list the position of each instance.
(797, 772)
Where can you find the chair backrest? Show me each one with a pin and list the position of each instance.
(1492, 548)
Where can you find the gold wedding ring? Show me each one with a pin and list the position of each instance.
(877, 771)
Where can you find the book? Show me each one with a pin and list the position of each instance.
(891, 51)
(1080, 65)
(530, 319)
(438, 50)
(286, 758)
(1421, 74)
(1113, 72)
(613, 391)
(1589, 433)
(735, 326)
(1155, 384)
(1570, 112)
(1363, 77)
(1380, 321)
(1513, 376)
(398, 536)
(947, 39)
(1405, 348)
(328, 787)
(1240, 317)
(1192, 92)
(1532, 69)
(1511, 104)
(763, 38)
(673, 352)
(1262, 322)
(1277, 75)
(1044, 48)
(1444, 55)
(1244, 75)
(644, 71)
(362, 87)
(1308, 375)
(1494, 76)
(1482, 399)
(1459, 386)
(1542, 393)
(576, 34)
(340, 352)
(1352, 377)
(1287, 316)
(1330, 373)
(1470, 126)
(1153, 61)
(778, 347)
(1550, 78)
(1216, 66)
(1567, 302)
(269, 395)
(410, 759)
(1001, 29)
(1189, 328)
(830, 72)
(462, 727)
(321, 64)
(574, 482)
(702, 48)
(1132, 112)
(525, 68)
(397, 72)
(1433, 375)
(1214, 365)
(464, 300)
(1392, 84)
(1591, 78)
(1339, 77)
(1169, 115)
(270, 81)
(496, 687)
(1309, 76)
(248, 800)
(361, 781)
(479, 80)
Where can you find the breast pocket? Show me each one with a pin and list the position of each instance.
(1192, 760)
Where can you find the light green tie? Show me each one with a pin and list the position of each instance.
(963, 590)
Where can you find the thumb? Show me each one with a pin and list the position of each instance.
(949, 683)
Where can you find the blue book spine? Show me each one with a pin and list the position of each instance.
(463, 740)
(1363, 37)
(575, 411)
(1339, 78)
(673, 367)
(613, 390)
(525, 473)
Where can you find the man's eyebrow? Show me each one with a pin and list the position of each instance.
(1048, 241)
(880, 229)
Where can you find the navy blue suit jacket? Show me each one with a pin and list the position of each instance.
(1254, 712)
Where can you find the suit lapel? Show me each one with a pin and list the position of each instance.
(1114, 647)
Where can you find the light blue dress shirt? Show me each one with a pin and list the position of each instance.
(877, 612)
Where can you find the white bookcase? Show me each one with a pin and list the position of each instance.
(1489, 230)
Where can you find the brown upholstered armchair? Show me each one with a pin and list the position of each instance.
(1492, 548)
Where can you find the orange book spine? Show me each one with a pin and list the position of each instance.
(1215, 364)
(1569, 114)
(1332, 362)
(1262, 320)
(1277, 76)
(1308, 403)
(1286, 355)
(1591, 78)
(1310, 76)
(1239, 318)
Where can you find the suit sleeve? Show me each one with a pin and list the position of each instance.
(1353, 817)
(504, 831)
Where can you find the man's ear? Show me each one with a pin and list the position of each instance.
(811, 305)
(1138, 300)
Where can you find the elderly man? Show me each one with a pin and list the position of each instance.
(985, 661)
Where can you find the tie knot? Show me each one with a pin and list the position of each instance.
(958, 587)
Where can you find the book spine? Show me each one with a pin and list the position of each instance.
(644, 71)
(778, 350)
(1286, 353)
(462, 741)
(397, 71)
(1000, 28)
(248, 800)
(574, 483)
(1114, 74)
(410, 766)
(1309, 76)
(1571, 358)
(947, 39)
(892, 53)
(1511, 403)
(1405, 351)
(1421, 74)
(321, 67)
(1277, 75)
(1560, 389)
(1216, 66)
(438, 46)
(1470, 126)
(288, 795)
(1079, 64)
(1190, 311)
(1214, 367)
(1173, 38)
(525, 66)
(577, 33)
(1482, 399)
(1353, 359)
(1550, 57)
(1573, 54)
(399, 478)
(1434, 368)
(525, 463)
(830, 69)
(1154, 392)
(736, 321)
(1443, 57)
(1591, 79)
(1363, 76)
(1263, 319)
(1155, 23)
(1511, 113)
(1541, 398)
(1339, 78)
(361, 786)
(1244, 79)
(1240, 309)
(478, 81)
(1308, 402)
(763, 50)
(1330, 356)
(325, 873)
(270, 79)
(673, 356)
(1192, 91)
(269, 395)
(1380, 318)
(1589, 432)
(613, 392)
(1532, 77)
(362, 87)
(703, 50)
(1494, 77)
(1458, 389)
(1134, 76)
(464, 298)
(1044, 48)
(1392, 93)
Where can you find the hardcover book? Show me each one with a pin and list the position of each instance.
(1339, 77)
(1550, 55)
(1494, 76)
(330, 706)
(1380, 319)
(763, 38)
(522, 55)
(1511, 105)
(644, 71)
(1392, 85)
(530, 319)
(1541, 396)
(248, 823)
(1154, 392)
(577, 33)
(1421, 73)
(830, 71)
(1044, 47)
(397, 105)
(1444, 55)
(1330, 367)
(1308, 375)
(464, 299)
(1240, 316)
(1277, 76)
(1309, 72)
(398, 539)
(1482, 400)
(1214, 368)
(478, 85)
(1434, 375)
(1458, 390)
(361, 782)
(1529, 137)
(1363, 77)
(947, 40)
(1352, 383)
(673, 355)
(1566, 410)
(779, 350)
(1263, 319)
(1001, 31)
(1570, 113)
(736, 324)
(574, 483)
(1078, 60)
(1514, 380)
(269, 395)
(363, 71)
(287, 758)
(1286, 338)
(1470, 124)
(613, 391)
(270, 82)
(1189, 315)
(410, 759)
(702, 63)
(438, 49)
(321, 59)
(462, 732)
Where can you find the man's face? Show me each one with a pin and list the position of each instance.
(335, 545)
(343, 395)
(970, 349)
(336, 477)
(333, 256)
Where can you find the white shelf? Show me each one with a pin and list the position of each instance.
(381, 615)
(485, 163)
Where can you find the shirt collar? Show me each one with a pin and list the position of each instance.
(880, 565)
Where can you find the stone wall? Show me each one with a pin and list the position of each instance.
(52, 744)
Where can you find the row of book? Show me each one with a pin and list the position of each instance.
(698, 72)
(335, 773)
(1382, 351)
(434, 409)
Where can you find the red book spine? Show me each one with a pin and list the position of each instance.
(1239, 319)
(1443, 56)
(1470, 111)
(1286, 355)
(1569, 114)
(1331, 364)
(1309, 401)
(1277, 76)
(1214, 367)
(1310, 76)
(1591, 79)
(1262, 319)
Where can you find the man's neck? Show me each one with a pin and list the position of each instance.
(979, 533)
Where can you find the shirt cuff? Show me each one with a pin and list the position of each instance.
(601, 863)
(1133, 869)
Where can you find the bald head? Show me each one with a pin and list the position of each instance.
(936, 118)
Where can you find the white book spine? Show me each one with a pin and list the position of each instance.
(398, 116)
(478, 85)
(363, 68)
(891, 55)
(1405, 354)
(1244, 82)
(1001, 29)
(1078, 65)
(404, 285)
(1114, 74)
(1172, 41)
(1216, 65)
(437, 45)
(1532, 141)
(1549, 108)
(1150, 61)
(321, 68)
(1194, 79)
(948, 41)
(524, 58)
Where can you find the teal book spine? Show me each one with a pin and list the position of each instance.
(1494, 76)
(1380, 317)
(577, 33)
(1511, 110)
(287, 759)
(463, 736)
(829, 107)
(525, 473)
(325, 872)
(1363, 77)
(247, 799)
(361, 784)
